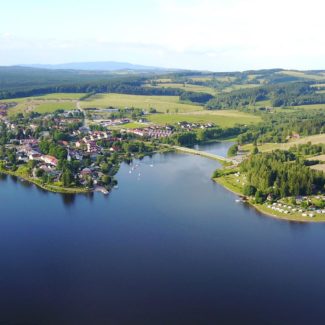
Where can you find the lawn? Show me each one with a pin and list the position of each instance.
(224, 118)
(161, 103)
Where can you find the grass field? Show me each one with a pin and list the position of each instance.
(314, 139)
(312, 106)
(54, 96)
(65, 96)
(222, 118)
(161, 103)
(210, 77)
(188, 87)
(201, 78)
(164, 80)
(132, 125)
(301, 74)
(238, 87)
(43, 104)
(52, 107)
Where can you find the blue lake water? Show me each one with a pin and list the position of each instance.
(168, 247)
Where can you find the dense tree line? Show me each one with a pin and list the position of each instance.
(203, 135)
(195, 97)
(95, 87)
(282, 94)
(280, 127)
(18, 82)
(308, 149)
(280, 173)
(237, 98)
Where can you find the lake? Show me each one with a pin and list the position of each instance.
(168, 247)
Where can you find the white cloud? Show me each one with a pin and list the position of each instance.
(215, 34)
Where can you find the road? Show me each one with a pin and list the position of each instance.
(86, 125)
(205, 154)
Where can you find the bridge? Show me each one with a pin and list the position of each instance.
(205, 154)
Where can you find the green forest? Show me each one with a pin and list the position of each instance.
(281, 174)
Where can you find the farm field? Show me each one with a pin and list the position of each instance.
(43, 104)
(160, 103)
(51, 107)
(131, 125)
(53, 96)
(239, 87)
(66, 96)
(202, 78)
(188, 87)
(222, 118)
(301, 74)
(312, 106)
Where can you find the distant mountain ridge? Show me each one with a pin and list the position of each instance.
(94, 66)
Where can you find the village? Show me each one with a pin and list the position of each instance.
(60, 151)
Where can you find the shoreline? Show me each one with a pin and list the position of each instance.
(75, 190)
(260, 208)
(49, 188)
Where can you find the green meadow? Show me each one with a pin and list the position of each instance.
(52, 107)
(313, 139)
(162, 104)
(43, 104)
(302, 74)
(222, 118)
(188, 87)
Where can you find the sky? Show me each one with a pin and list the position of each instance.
(216, 35)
